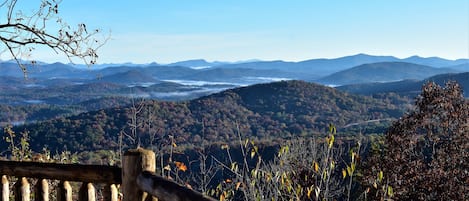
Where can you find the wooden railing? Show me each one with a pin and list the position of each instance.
(136, 179)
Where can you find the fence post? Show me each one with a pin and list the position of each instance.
(22, 189)
(134, 162)
(110, 192)
(41, 190)
(87, 192)
(64, 191)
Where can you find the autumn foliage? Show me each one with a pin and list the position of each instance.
(426, 154)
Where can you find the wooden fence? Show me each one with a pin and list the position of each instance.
(136, 179)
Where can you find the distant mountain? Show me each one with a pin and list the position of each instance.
(382, 72)
(197, 63)
(168, 72)
(328, 66)
(461, 67)
(109, 65)
(314, 68)
(237, 74)
(265, 112)
(434, 61)
(133, 76)
(45, 71)
(408, 87)
(309, 69)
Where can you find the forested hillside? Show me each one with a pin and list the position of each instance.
(261, 112)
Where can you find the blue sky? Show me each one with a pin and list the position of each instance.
(144, 31)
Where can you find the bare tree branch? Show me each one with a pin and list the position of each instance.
(21, 32)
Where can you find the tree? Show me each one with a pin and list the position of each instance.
(21, 32)
(426, 152)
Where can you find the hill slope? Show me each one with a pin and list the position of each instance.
(264, 112)
(382, 72)
(408, 87)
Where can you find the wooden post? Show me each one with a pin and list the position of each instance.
(41, 190)
(111, 193)
(5, 190)
(87, 192)
(64, 191)
(134, 162)
(22, 190)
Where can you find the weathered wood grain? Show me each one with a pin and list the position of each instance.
(166, 190)
(64, 172)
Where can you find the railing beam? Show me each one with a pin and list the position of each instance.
(69, 172)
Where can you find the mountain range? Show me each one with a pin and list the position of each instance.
(74, 89)
(269, 111)
(383, 72)
(408, 87)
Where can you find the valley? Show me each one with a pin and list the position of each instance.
(198, 101)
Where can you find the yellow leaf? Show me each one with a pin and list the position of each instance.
(309, 190)
(234, 166)
(237, 185)
(380, 176)
(167, 167)
(253, 153)
(316, 167)
(174, 144)
(349, 170)
(390, 191)
(344, 173)
(222, 196)
(331, 142)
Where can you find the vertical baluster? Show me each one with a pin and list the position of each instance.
(41, 190)
(22, 190)
(87, 192)
(5, 190)
(64, 191)
(110, 192)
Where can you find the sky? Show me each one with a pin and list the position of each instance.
(165, 31)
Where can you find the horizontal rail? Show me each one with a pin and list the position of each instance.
(166, 189)
(64, 172)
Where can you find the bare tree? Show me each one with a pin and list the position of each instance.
(21, 32)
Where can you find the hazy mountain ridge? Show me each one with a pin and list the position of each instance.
(383, 72)
(70, 87)
(309, 69)
(408, 87)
